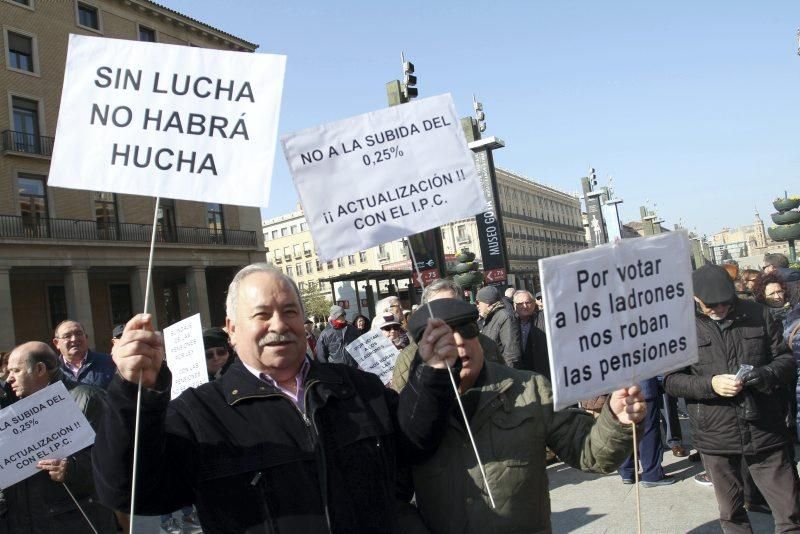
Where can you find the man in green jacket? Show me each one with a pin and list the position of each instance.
(511, 415)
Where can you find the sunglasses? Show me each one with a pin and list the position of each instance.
(466, 330)
(392, 327)
(717, 304)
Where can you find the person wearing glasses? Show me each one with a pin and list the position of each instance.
(78, 362)
(511, 415)
(738, 419)
(391, 329)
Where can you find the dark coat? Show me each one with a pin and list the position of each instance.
(722, 425)
(40, 505)
(250, 461)
(535, 356)
(332, 342)
(97, 371)
(502, 328)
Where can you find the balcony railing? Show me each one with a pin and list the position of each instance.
(73, 229)
(27, 143)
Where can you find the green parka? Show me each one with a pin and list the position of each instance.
(512, 424)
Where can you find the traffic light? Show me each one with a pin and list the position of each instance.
(409, 80)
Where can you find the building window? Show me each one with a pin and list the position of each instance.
(319, 265)
(166, 220)
(105, 214)
(147, 34)
(294, 229)
(284, 231)
(362, 256)
(26, 125)
(303, 227)
(276, 256)
(340, 262)
(20, 51)
(330, 265)
(88, 16)
(296, 248)
(287, 253)
(32, 191)
(274, 234)
(57, 304)
(307, 248)
(121, 306)
(309, 268)
(299, 269)
(351, 260)
(216, 222)
(289, 270)
(301, 286)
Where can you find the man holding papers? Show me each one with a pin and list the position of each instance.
(279, 443)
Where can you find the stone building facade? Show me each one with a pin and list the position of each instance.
(79, 254)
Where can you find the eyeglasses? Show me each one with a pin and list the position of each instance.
(524, 303)
(391, 327)
(76, 334)
(466, 330)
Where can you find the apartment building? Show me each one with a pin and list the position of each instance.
(83, 254)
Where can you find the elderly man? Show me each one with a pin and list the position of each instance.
(512, 419)
(336, 336)
(440, 289)
(738, 422)
(533, 341)
(279, 443)
(499, 325)
(77, 361)
(40, 503)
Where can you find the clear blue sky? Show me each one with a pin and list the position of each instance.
(692, 105)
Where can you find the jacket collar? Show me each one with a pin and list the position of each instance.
(491, 393)
(238, 383)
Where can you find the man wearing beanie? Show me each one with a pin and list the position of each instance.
(511, 415)
(336, 336)
(499, 325)
(738, 422)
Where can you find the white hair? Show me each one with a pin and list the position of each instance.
(231, 301)
(442, 284)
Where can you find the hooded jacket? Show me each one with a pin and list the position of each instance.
(727, 425)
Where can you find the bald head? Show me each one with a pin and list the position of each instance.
(31, 367)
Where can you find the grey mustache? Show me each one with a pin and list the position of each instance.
(276, 338)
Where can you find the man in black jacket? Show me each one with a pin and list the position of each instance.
(737, 422)
(279, 443)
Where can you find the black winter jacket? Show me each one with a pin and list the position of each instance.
(250, 461)
(502, 328)
(720, 424)
(332, 342)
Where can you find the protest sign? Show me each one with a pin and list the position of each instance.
(617, 314)
(186, 355)
(167, 120)
(374, 353)
(47, 424)
(383, 175)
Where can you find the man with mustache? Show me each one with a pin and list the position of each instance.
(279, 443)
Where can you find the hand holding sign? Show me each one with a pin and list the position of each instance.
(56, 468)
(628, 405)
(139, 350)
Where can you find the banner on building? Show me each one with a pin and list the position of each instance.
(384, 175)
(47, 424)
(167, 120)
(618, 314)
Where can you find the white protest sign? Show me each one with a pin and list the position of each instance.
(374, 353)
(618, 314)
(176, 121)
(47, 424)
(186, 355)
(383, 175)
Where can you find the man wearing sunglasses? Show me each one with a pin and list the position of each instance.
(511, 415)
(738, 420)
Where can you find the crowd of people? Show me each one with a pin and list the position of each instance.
(289, 435)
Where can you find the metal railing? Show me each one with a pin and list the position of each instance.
(27, 143)
(74, 229)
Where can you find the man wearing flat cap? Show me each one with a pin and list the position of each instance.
(499, 325)
(739, 422)
(511, 415)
